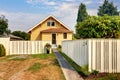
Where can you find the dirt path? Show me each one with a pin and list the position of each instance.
(18, 75)
(18, 70)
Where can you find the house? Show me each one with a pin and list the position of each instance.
(12, 37)
(51, 29)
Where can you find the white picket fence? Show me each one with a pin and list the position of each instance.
(23, 47)
(102, 55)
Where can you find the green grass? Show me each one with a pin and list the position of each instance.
(112, 76)
(18, 59)
(43, 56)
(35, 67)
(81, 70)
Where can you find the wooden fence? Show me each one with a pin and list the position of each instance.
(102, 55)
(23, 47)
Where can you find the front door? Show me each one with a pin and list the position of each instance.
(53, 38)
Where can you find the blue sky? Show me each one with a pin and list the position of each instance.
(24, 14)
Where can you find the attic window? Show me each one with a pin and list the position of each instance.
(50, 23)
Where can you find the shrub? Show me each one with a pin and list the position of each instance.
(47, 47)
(59, 47)
(94, 72)
(2, 50)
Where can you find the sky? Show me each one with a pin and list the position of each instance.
(24, 14)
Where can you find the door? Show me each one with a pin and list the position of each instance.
(53, 38)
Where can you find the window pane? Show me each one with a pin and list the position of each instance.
(65, 35)
(52, 23)
(48, 23)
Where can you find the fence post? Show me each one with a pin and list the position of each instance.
(89, 55)
(118, 56)
(110, 56)
(102, 56)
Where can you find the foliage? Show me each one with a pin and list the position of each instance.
(82, 13)
(99, 27)
(94, 72)
(111, 76)
(59, 47)
(21, 34)
(107, 8)
(3, 24)
(8, 31)
(2, 50)
(47, 45)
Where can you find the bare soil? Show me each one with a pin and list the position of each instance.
(18, 69)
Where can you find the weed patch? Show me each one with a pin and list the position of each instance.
(35, 67)
(43, 56)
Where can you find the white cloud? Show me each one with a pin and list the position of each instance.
(66, 12)
(88, 2)
(92, 12)
(46, 2)
(50, 3)
(22, 21)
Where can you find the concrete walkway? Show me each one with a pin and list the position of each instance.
(68, 70)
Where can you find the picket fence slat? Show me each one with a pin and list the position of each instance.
(23, 47)
(102, 55)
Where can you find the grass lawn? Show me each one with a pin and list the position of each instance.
(83, 71)
(30, 67)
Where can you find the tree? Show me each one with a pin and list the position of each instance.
(8, 31)
(21, 34)
(99, 27)
(82, 13)
(107, 8)
(3, 24)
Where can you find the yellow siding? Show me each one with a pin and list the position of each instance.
(37, 35)
(46, 36)
(59, 37)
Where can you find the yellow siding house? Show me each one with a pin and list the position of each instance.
(51, 29)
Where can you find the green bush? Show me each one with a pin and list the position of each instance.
(94, 72)
(2, 50)
(47, 48)
(59, 47)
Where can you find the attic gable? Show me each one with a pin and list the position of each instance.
(47, 19)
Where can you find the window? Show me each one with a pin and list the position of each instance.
(50, 23)
(65, 35)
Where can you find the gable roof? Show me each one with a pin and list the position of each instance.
(54, 30)
(45, 20)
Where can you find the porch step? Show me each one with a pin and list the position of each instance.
(54, 46)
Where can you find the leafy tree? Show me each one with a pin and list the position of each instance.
(3, 24)
(8, 31)
(21, 34)
(99, 27)
(82, 13)
(107, 8)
